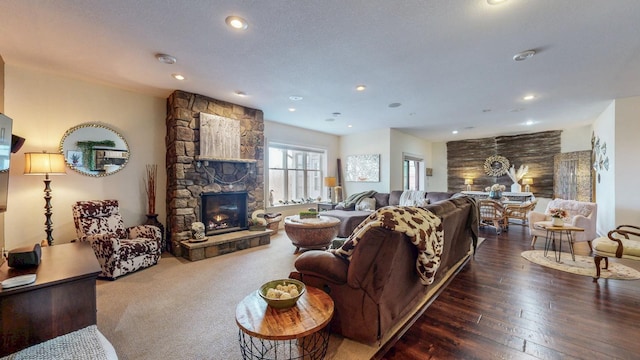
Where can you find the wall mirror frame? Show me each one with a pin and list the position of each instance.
(94, 149)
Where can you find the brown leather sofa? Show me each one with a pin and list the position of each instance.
(380, 286)
(350, 218)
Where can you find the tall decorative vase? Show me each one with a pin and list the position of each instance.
(556, 221)
(515, 187)
(152, 219)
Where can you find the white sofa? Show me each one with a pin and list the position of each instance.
(579, 213)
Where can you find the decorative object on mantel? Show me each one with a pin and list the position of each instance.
(496, 165)
(516, 175)
(150, 182)
(270, 197)
(219, 137)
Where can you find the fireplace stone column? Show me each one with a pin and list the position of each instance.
(187, 177)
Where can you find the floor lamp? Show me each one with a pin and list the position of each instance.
(45, 164)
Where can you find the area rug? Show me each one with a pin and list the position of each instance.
(583, 265)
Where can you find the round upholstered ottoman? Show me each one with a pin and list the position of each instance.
(314, 233)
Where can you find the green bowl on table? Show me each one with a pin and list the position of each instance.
(279, 287)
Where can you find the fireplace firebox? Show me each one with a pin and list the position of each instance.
(223, 212)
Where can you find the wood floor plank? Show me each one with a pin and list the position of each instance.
(501, 306)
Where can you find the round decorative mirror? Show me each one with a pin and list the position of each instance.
(94, 149)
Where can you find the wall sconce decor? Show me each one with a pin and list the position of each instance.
(45, 164)
(330, 182)
(526, 182)
(468, 182)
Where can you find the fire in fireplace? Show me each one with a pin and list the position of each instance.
(223, 212)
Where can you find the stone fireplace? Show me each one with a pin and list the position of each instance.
(223, 212)
(190, 175)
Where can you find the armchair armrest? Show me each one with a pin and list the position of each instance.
(145, 232)
(324, 265)
(535, 216)
(104, 243)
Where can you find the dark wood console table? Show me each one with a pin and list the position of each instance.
(62, 300)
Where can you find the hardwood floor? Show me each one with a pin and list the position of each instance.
(502, 306)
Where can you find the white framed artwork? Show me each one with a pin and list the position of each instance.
(363, 168)
(219, 137)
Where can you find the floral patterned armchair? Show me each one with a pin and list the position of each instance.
(119, 250)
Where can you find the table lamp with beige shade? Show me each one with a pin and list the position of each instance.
(330, 182)
(468, 182)
(46, 164)
(527, 182)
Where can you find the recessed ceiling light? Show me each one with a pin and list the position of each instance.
(524, 55)
(166, 59)
(295, 97)
(237, 22)
(241, 93)
(336, 114)
(529, 97)
(349, 126)
(529, 122)
(360, 88)
(292, 109)
(454, 132)
(178, 76)
(395, 105)
(330, 120)
(486, 110)
(495, 2)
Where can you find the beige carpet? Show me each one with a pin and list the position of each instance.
(186, 310)
(583, 265)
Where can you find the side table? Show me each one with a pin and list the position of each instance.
(300, 332)
(554, 232)
(313, 233)
(326, 206)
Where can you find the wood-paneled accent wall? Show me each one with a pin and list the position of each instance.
(466, 159)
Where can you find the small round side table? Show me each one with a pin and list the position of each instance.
(300, 332)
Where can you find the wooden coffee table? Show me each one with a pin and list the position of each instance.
(300, 332)
(555, 232)
(314, 233)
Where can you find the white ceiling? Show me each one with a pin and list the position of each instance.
(444, 61)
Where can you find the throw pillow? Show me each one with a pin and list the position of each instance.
(366, 204)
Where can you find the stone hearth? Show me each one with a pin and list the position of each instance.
(189, 175)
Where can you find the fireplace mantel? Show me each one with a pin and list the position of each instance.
(209, 158)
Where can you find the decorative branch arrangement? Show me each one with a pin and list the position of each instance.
(514, 175)
(150, 186)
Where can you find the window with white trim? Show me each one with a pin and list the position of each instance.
(295, 173)
(411, 173)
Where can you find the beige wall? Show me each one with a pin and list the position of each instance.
(626, 169)
(43, 107)
(372, 142)
(404, 144)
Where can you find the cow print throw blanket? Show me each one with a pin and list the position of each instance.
(420, 225)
